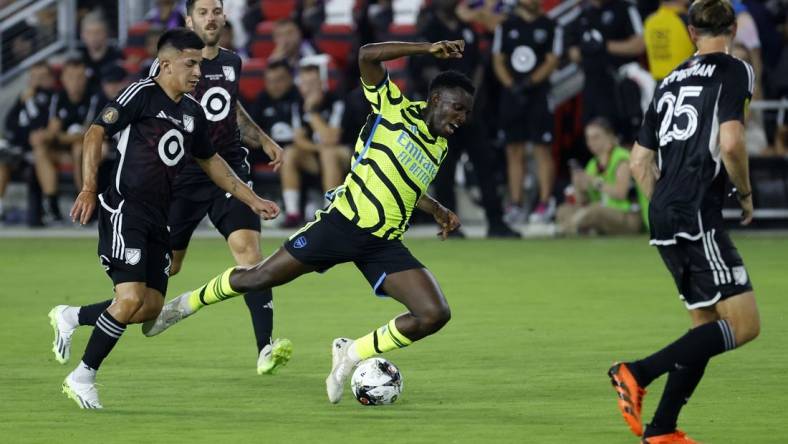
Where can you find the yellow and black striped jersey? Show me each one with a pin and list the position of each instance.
(394, 161)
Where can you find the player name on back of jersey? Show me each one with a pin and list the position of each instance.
(695, 69)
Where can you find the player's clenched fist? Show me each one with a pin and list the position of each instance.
(265, 208)
(448, 49)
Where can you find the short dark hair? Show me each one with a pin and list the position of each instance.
(603, 123)
(73, 59)
(180, 39)
(308, 68)
(451, 79)
(712, 17)
(190, 6)
(280, 64)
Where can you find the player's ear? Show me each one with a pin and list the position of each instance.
(434, 97)
(189, 22)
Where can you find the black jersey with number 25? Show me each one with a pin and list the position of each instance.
(156, 134)
(682, 124)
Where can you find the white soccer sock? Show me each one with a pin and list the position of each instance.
(71, 316)
(352, 353)
(84, 374)
(291, 198)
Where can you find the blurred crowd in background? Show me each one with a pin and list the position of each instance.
(562, 87)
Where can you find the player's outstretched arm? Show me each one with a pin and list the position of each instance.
(225, 178)
(85, 203)
(446, 219)
(641, 162)
(253, 136)
(371, 55)
(737, 164)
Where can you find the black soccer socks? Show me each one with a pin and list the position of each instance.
(88, 314)
(261, 307)
(694, 348)
(104, 337)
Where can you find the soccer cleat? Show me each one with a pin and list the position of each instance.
(84, 394)
(341, 368)
(273, 356)
(630, 396)
(677, 437)
(172, 313)
(61, 346)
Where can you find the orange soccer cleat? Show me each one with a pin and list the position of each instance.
(630, 396)
(677, 437)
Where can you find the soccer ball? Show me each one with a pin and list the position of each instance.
(376, 381)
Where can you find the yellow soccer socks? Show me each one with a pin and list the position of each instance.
(216, 290)
(385, 338)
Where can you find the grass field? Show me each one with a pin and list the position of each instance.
(535, 325)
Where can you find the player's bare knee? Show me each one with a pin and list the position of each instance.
(435, 317)
(175, 268)
(129, 303)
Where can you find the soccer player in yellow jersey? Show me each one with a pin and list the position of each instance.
(397, 155)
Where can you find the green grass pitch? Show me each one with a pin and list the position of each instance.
(535, 326)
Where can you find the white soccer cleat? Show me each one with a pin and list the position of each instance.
(61, 346)
(341, 368)
(274, 356)
(172, 313)
(83, 393)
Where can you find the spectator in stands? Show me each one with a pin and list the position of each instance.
(289, 44)
(167, 14)
(440, 22)
(69, 112)
(607, 35)
(152, 36)
(113, 79)
(29, 111)
(316, 145)
(21, 40)
(275, 107)
(487, 13)
(525, 52)
(754, 134)
(373, 19)
(747, 36)
(666, 37)
(309, 15)
(602, 189)
(96, 48)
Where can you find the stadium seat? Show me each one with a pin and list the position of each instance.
(404, 33)
(398, 73)
(337, 41)
(135, 45)
(263, 41)
(252, 79)
(277, 9)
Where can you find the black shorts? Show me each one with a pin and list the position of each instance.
(332, 239)
(707, 270)
(526, 119)
(227, 214)
(132, 249)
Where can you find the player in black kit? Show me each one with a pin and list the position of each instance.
(694, 132)
(195, 196)
(160, 124)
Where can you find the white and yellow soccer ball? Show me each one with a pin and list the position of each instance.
(376, 381)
